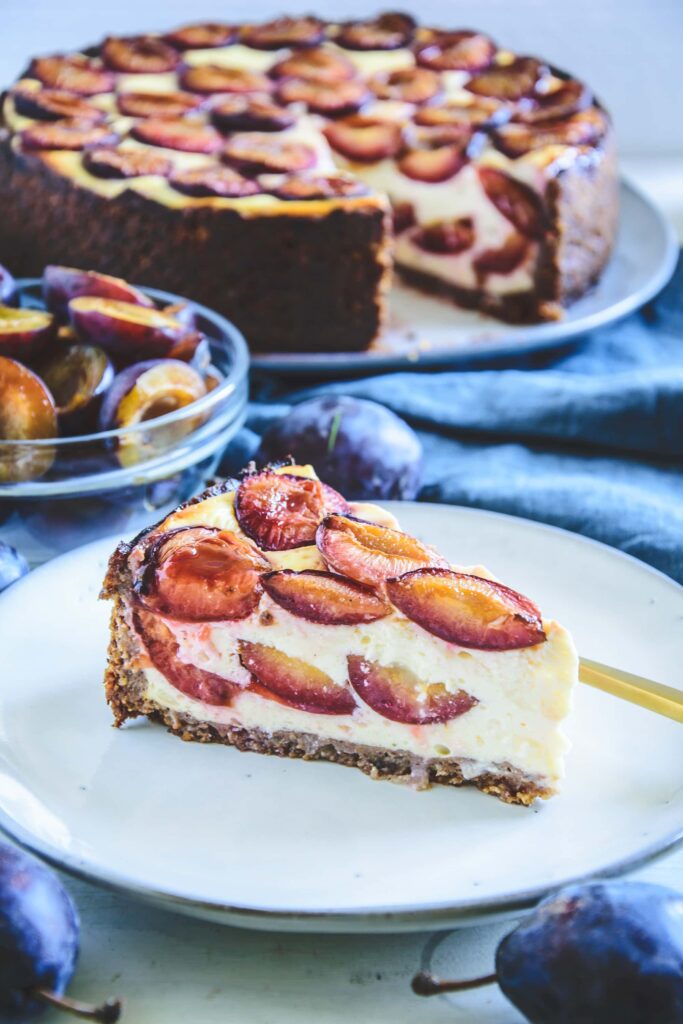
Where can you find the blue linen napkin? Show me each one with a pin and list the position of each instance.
(590, 439)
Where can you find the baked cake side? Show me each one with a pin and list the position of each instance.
(316, 661)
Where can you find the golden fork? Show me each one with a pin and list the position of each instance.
(664, 700)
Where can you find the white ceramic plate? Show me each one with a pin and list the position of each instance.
(428, 331)
(271, 843)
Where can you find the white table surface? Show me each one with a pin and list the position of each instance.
(174, 970)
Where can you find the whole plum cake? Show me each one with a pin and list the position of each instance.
(275, 616)
(256, 167)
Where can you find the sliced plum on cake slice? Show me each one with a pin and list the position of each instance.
(317, 65)
(509, 82)
(214, 78)
(24, 333)
(515, 200)
(567, 98)
(396, 693)
(279, 33)
(448, 237)
(125, 163)
(435, 155)
(262, 153)
(126, 328)
(389, 31)
(370, 553)
(200, 574)
(294, 681)
(202, 36)
(162, 648)
(54, 105)
(61, 284)
(325, 597)
(73, 73)
(337, 99)
(364, 139)
(181, 134)
(144, 55)
(583, 129)
(467, 610)
(319, 186)
(69, 133)
(281, 510)
(249, 113)
(406, 85)
(216, 182)
(503, 260)
(157, 104)
(470, 116)
(456, 51)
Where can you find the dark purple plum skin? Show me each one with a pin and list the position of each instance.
(600, 953)
(61, 284)
(7, 288)
(13, 565)
(359, 447)
(39, 932)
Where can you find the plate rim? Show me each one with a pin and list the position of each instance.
(440, 915)
(546, 336)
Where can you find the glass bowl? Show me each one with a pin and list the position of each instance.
(59, 493)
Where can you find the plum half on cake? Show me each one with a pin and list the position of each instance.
(253, 168)
(277, 617)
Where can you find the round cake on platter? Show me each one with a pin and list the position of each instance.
(277, 172)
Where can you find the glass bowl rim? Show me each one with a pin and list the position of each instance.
(232, 380)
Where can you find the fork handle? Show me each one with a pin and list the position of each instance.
(664, 700)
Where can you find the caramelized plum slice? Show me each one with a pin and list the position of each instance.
(183, 135)
(125, 328)
(396, 693)
(162, 648)
(201, 574)
(258, 153)
(295, 681)
(406, 85)
(471, 115)
(204, 182)
(364, 139)
(157, 104)
(325, 598)
(281, 511)
(55, 104)
(315, 66)
(584, 129)
(77, 376)
(284, 32)
(24, 332)
(516, 201)
(568, 98)
(70, 133)
(61, 284)
(388, 31)
(370, 553)
(467, 610)
(146, 55)
(240, 113)
(439, 161)
(451, 236)
(125, 163)
(504, 260)
(204, 36)
(456, 51)
(210, 78)
(509, 81)
(403, 215)
(27, 413)
(329, 186)
(335, 100)
(73, 73)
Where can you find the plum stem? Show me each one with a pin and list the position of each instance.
(334, 431)
(425, 984)
(107, 1013)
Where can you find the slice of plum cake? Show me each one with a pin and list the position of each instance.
(277, 617)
